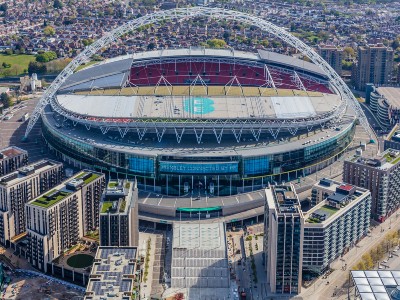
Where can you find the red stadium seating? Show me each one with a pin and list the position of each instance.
(214, 73)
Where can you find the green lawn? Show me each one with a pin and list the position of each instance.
(106, 206)
(19, 63)
(80, 261)
(46, 202)
(89, 179)
(329, 209)
(112, 184)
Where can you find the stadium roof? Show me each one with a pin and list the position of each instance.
(114, 72)
(230, 107)
(289, 61)
(169, 147)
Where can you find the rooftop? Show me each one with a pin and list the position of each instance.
(391, 94)
(198, 236)
(199, 258)
(65, 189)
(146, 146)
(11, 152)
(26, 172)
(341, 196)
(117, 195)
(283, 198)
(384, 161)
(113, 273)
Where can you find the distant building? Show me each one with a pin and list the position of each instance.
(18, 188)
(333, 55)
(168, 5)
(113, 274)
(283, 237)
(55, 220)
(30, 84)
(385, 103)
(380, 175)
(11, 159)
(334, 225)
(199, 260)
(119, 223)
(374, 65)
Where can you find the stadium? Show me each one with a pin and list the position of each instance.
(198, 122)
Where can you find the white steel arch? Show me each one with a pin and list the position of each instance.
(181, 14)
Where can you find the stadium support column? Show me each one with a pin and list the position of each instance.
(218, 184)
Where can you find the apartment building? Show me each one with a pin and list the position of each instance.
(56, 219)
(334, 225)
(283, 237)
(19, 187)
(333, 56)
(374, 65)
(381, 176)
(11, 159)
(119, 223)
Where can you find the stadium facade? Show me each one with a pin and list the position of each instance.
(214, 121)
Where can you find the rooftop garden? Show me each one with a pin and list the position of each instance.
(112, 184)
(122, 207)
(106, 206)
(326, 211)
(47, 201)
(391, 158)
(86, 178)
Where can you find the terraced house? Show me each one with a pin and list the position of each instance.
(58, 219)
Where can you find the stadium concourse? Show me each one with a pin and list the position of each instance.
(199, 124)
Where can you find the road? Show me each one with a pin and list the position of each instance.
(12, 132)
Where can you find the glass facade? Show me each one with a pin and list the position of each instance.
(199, 168)
(176, 175)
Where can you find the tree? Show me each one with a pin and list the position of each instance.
(349, 52)
(179, 296)
(367, 259)
(49, 31)
(6, 100)
(36, 67)
(57, 4)
(3, 7)
(216, 43)
(265, 43)
(87, 42)
(46, 56)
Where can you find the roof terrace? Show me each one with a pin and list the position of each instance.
(24, 172)
(65, 189)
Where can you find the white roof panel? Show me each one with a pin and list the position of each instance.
(115, 106)
(293, 107)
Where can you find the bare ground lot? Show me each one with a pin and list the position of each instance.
(38, 288)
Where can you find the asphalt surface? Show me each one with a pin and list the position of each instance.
(12, 132)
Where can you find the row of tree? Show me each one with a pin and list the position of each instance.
(370, 259)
